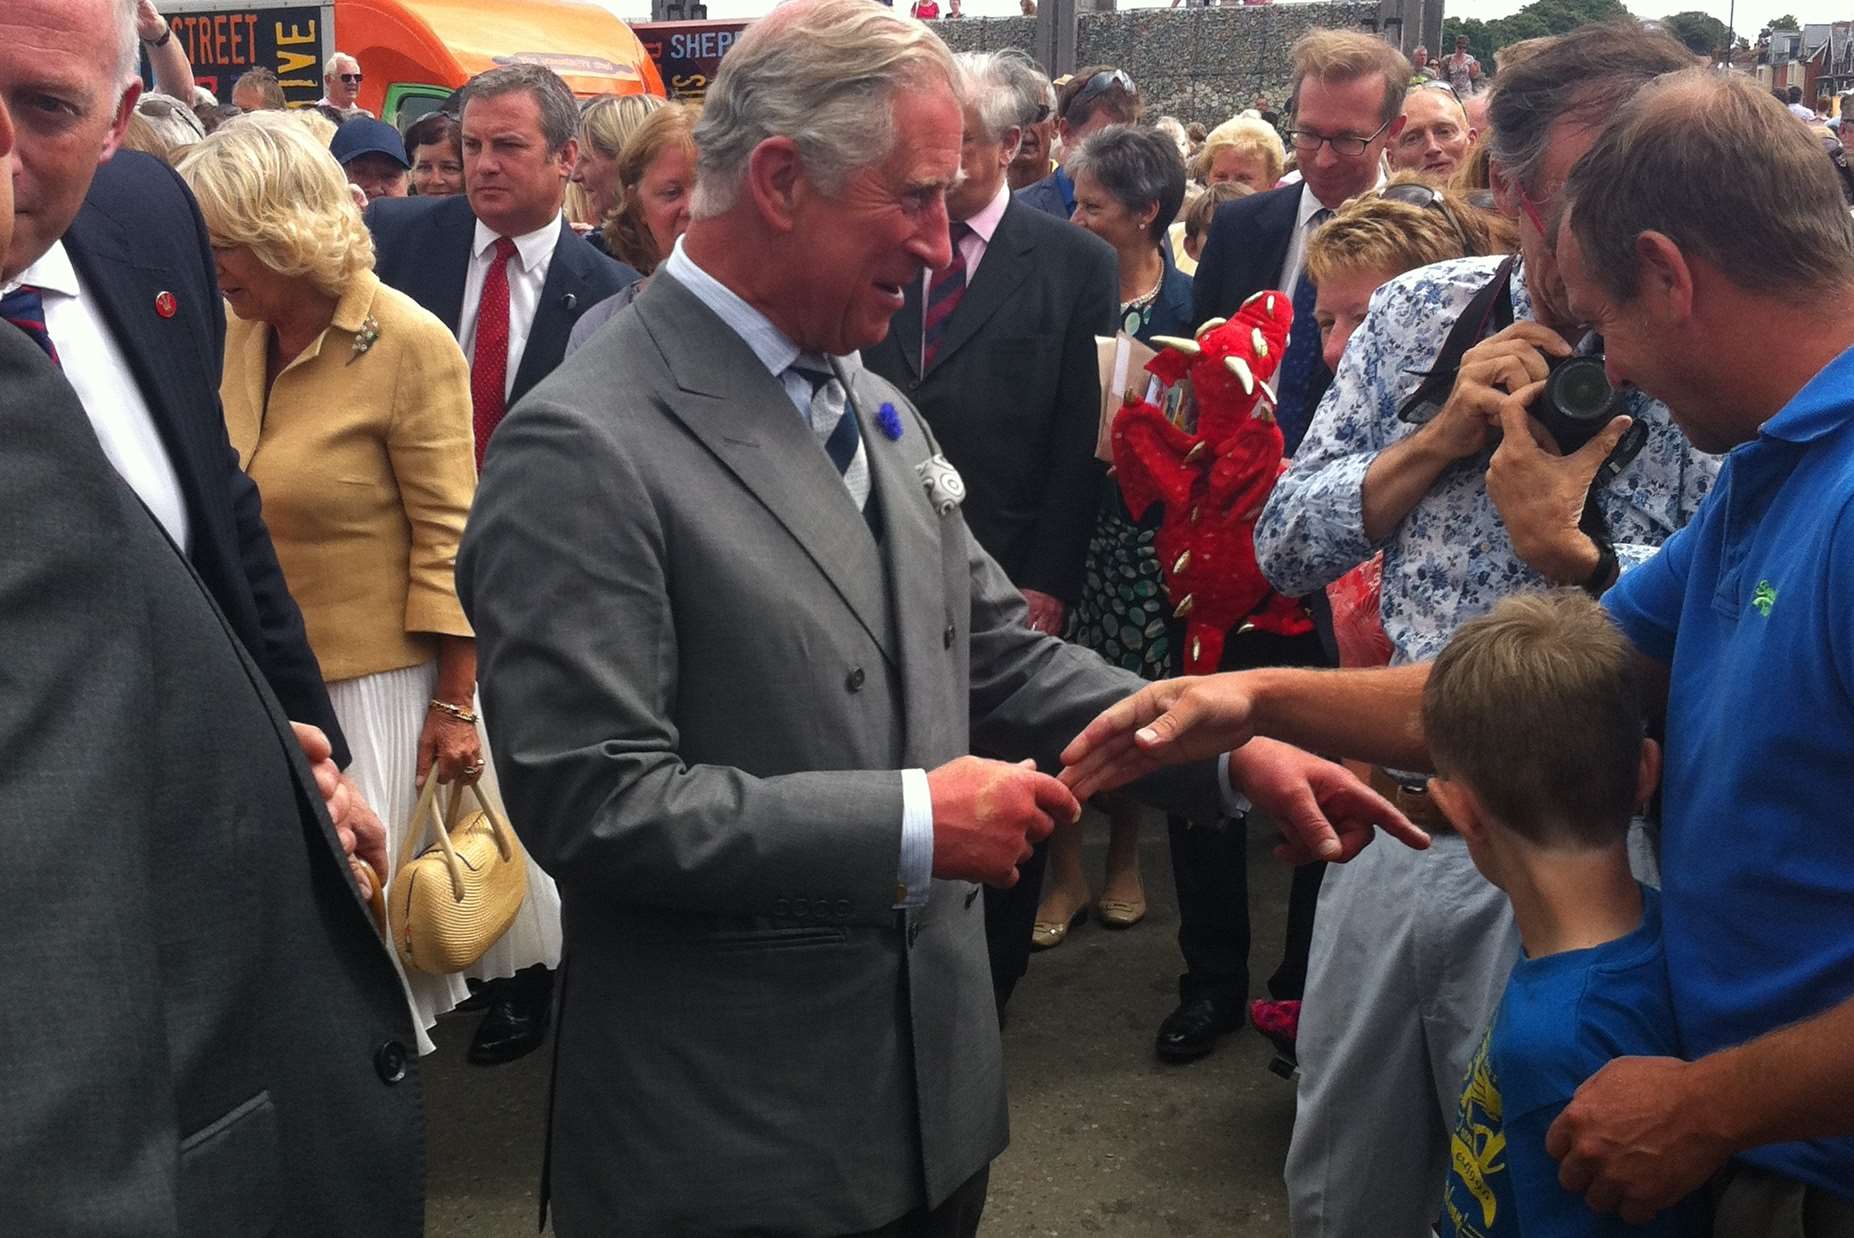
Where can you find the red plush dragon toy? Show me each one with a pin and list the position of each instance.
(1213, 482)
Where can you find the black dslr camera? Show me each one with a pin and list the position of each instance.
(1578, 401)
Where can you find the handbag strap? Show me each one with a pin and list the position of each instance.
(424, 812)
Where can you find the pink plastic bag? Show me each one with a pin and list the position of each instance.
(1358, 623)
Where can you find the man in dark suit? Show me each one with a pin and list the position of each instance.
(204, 1034)
(1087, 103)
(1348, 91)
(504, 271)
(111, 261)
(1002, 365)
(499, 265)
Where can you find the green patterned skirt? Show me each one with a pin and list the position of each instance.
(1123, 614)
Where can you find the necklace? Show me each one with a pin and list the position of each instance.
(1135, 314)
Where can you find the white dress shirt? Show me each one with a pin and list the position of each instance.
(1297, 245)
(776, 351)
(534, 253)
(105, 385)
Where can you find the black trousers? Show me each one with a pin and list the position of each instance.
(1210, 868)
(1010, 915)
(958, 1217)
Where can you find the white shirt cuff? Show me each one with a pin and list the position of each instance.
(1235, 803)
(914, 882)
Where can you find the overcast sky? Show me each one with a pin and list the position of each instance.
(1750, 16)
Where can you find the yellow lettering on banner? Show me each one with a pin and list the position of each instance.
(308, 83)
(294, 62)
(295, 35)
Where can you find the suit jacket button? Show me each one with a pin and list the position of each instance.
(946, 637)
(843, 909)
(854, 680)
(389, 1062)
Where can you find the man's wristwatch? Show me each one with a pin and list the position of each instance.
(167, 32)
(1605, 573)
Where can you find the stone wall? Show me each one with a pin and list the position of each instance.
(1196, 64)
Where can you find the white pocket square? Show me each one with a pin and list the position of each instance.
(946, 489)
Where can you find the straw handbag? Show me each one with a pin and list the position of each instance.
(454, 902)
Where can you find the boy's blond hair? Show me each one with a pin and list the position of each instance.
(1537, 708)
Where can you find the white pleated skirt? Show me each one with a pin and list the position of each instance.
(381, 716)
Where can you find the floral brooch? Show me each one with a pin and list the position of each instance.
(365, 337)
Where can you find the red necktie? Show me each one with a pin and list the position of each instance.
(489, 367)
(944, 290)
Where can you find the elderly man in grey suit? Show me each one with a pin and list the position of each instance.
(736, 641)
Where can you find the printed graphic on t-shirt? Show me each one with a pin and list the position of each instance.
(1477, 1152)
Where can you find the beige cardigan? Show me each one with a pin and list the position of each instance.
(365, 463)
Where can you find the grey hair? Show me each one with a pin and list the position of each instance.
(1586, 75)
(336, 61)
(823, 73)
(559, 109)
(1138, 167)
(129, 47)
(1004, 88)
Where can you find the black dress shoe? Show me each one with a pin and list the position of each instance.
(1191, 1031)
(513, 1028)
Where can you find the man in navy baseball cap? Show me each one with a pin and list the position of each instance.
(373, 155)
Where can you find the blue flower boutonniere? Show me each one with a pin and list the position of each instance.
(890, 421)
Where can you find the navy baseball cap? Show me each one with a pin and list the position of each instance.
(366, 136)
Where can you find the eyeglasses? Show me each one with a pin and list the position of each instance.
(353, 79)
(1307, 141)
(1436, 84)
(1101, 82)
(1428, 198)
(1531, 209)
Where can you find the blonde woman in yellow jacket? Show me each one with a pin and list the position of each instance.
(349, 406)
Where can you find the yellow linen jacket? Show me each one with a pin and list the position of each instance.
(364, 459)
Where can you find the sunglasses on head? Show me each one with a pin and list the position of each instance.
(1100, 83)
(1428, 198)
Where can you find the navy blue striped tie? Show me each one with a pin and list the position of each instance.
(1303, 353)
(26, 310)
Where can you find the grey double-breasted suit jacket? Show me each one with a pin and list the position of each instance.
(702, 676)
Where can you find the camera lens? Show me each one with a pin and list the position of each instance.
(1580, 389)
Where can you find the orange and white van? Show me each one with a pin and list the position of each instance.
(412, 53)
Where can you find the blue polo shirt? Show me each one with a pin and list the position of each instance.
(1752, 604)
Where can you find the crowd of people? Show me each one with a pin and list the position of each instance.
(725, 493)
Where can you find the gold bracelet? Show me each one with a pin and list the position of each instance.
(456, 711)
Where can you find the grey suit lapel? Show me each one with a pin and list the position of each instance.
(742, 415)
(911, 550)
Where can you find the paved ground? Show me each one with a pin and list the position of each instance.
(1105, 1139)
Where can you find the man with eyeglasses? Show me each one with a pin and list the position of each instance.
(1436, 135)
(1348, 89)
(1087, 103)
(341, 83)
(1408, 959)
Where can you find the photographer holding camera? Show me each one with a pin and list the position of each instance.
(1412, 948)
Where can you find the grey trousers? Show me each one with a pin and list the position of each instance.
(1755, 1203)
(1411, 951)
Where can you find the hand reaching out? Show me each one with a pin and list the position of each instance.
(1322, 810)
(1171, 722)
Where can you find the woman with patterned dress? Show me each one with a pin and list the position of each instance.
(1129, 184)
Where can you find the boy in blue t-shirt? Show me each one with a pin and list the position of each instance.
(1534, 717)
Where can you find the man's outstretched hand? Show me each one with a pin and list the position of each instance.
(1322, 810)
(987, 815)
(1171, 722)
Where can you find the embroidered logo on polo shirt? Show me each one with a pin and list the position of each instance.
(1764, 597)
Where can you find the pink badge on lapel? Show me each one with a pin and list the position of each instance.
(166, 305)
